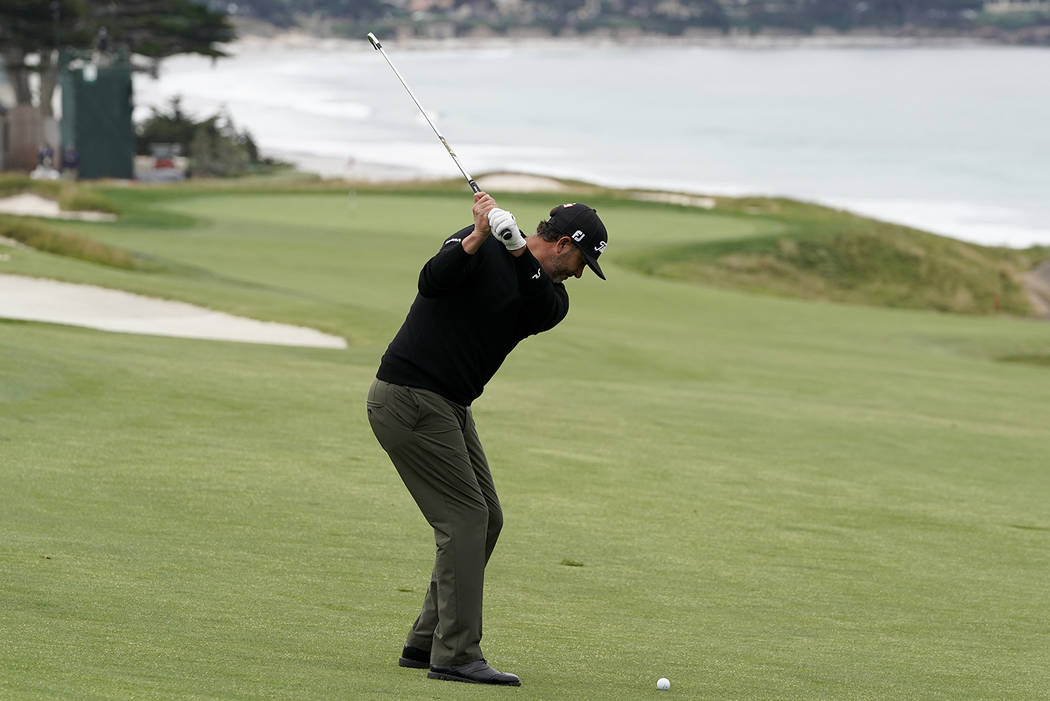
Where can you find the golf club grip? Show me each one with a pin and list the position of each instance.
(473, 185)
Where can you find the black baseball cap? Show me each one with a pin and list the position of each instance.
(581, 223)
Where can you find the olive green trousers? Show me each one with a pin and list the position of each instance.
(435, 447)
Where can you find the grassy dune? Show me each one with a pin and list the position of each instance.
(759, 497)
(813, 252)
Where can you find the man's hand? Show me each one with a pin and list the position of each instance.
(505, 228)
(483, 204)
(488, 218)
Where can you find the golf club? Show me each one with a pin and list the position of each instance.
(379, 48)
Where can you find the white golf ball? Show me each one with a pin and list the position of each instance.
(663, 683)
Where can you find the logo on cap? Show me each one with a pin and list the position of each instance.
(600, 247)
(578, 236)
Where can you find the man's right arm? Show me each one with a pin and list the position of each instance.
(448, 268)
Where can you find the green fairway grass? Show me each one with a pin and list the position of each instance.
(756, 497)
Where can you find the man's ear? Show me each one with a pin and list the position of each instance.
(565, 241)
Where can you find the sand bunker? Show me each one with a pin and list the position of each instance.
(519, 182)
(29, 205)
(33, 299)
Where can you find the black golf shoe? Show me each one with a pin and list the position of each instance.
(414, 657)
(478, 672)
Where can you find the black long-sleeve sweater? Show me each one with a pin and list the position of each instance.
(471, 311)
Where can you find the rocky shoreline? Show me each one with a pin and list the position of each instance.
(255, 34)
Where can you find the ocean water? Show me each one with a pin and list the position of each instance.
(952, 139)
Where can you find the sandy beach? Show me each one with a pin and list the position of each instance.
(690, 115)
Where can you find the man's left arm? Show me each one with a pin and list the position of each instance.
(546, 303)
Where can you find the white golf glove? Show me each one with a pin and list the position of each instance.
(505, 228)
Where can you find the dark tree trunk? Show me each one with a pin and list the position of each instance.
(17, 72)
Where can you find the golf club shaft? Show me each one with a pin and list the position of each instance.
(379, 48)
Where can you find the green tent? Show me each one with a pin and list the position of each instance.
(96, 118)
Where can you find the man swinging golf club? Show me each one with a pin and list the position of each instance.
(487, 288)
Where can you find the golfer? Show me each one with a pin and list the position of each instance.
(486, 289)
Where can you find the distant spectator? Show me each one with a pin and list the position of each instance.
(70, 159)
(45, 155)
